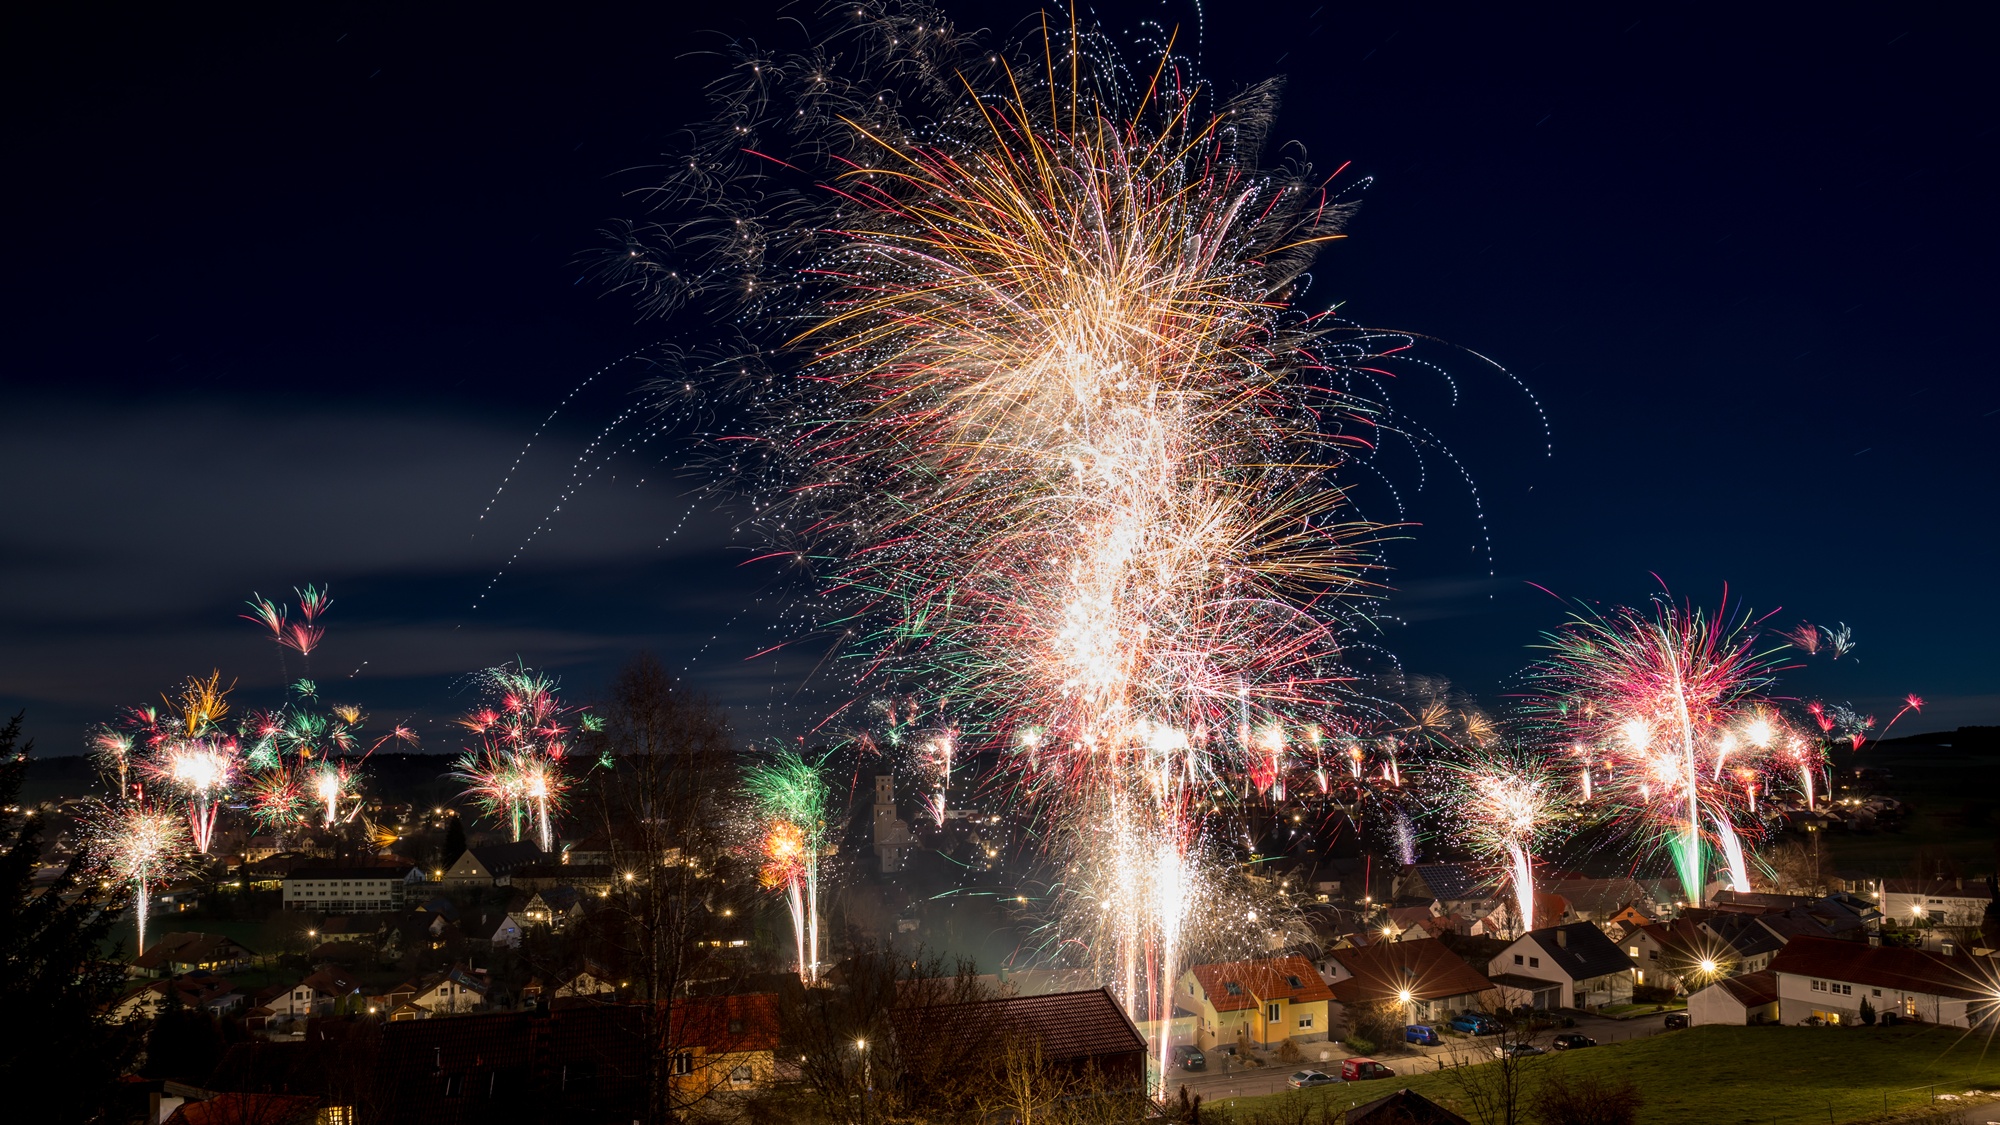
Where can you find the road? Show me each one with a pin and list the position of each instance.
(1226, 1078)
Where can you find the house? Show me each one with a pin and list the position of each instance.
(1674, 955)
(1570, 966)
(1442, 882)
(492, 865)
(1075, 1032)
(497, 927)
(1402, 1108)
(1828, 979)
(1624, 919)
(553, 906)
(197, 991)
(1425, 976)
(326, 992)
(589, 982)
(557, 876)
(723, 1042)
(1953, 903)
(348, 890)
(1267, 1001)
(1603, 900)
(178, 953)
(1737, 1001)
(447, 993)
(1751, 943)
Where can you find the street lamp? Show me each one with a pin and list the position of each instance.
(867, 1076)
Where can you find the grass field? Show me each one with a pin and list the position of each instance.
(1743, 1075)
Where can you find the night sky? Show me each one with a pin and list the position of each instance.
(288, 290)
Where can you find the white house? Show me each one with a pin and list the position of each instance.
(492, 865)
(1940, 902)
(1829, 979)
(322, 993)
(349, 890)
(1572, 966)
(1751, 998)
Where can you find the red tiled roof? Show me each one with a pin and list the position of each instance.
(1428, 968)
(233, 1109)
(1067, 1025)
(1884, 966)
(727, 1024)
(1275, 978)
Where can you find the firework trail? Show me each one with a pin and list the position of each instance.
(133, 843)
(1047, 419)
(1671, 701)
(790, 802)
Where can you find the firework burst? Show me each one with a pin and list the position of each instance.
(131, 842)
(789, 798)
(1508, 802)
(1671, 703)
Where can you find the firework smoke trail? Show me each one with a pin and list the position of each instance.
(1732, 855)
(1406, 839)
(1046, 417)
(1669, 698)
(790, 801)
(130, 842)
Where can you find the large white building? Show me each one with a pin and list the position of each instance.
(349, 890)
(1827, 979)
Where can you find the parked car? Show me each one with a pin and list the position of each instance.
(1518, 1050)
(1361, 1070)
(1571, 1041)
(1189, 1057)
(1418, 1033)
(1676, 1021)
(1306, 1079)
(1474, 1024)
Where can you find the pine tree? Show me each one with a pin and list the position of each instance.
(1867, 1013)
(55, 986)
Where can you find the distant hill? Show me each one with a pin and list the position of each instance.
(1966, 740)
(391, 777)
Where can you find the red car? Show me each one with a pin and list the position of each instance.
(1360, 1070)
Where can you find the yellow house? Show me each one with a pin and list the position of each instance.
(1268, 1001)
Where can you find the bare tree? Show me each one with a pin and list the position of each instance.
(856, 1068)
(655, 794)
(1489, 1076)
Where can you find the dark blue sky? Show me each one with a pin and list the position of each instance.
(289, 290)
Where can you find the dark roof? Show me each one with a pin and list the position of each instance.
(502, 859)
(1273, 978)
(1886, 966)
(1068, 1025)
(1581, 950)
(509, 1066)
(1403, 1108)
(349, 873)
(1428, 968)
(1450, 880)
(1752, 989)
(1745, 934)
(1941, 888)
(189, 949)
